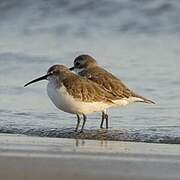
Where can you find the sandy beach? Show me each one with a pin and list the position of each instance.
(23, 157)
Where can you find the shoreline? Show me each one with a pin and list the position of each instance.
(95, 134)
(25, 157)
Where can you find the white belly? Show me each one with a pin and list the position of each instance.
(126, 101)
(62, 100)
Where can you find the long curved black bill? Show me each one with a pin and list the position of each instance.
(71, 69)
(36, 80)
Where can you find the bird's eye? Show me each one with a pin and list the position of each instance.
(51, 72)
(77, 63)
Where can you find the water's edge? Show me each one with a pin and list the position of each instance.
(101, 134)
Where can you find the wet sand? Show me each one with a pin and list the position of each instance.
(95, 134)
(23, 157)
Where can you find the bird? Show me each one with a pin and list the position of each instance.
(86, 66)
(75, 94)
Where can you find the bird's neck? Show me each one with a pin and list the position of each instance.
(55, 82)
(78, 70)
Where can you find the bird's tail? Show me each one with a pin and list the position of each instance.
(143, 99)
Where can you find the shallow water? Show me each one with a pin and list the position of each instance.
(136, 40)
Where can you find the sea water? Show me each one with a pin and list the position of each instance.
(138, 41)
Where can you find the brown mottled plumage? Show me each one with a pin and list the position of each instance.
(79, 87)
(105, 79)
(75, 94)
(87, 66)
(85, 90)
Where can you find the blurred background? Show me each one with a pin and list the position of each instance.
(137, 40)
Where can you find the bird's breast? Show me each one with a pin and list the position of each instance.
(60, 98)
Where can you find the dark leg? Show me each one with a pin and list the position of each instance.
(106, 117)
(78, 121)
(84, 121)
(102, 120)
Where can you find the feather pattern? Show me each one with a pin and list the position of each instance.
(110, 83)
(85, 90)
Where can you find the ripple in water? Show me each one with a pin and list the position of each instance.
(137, 40)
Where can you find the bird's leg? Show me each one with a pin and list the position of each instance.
(84, 121)
(78, 121)
(102, 120)
(106, 117)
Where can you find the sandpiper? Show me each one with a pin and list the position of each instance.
(75, 94)
(86, 66)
